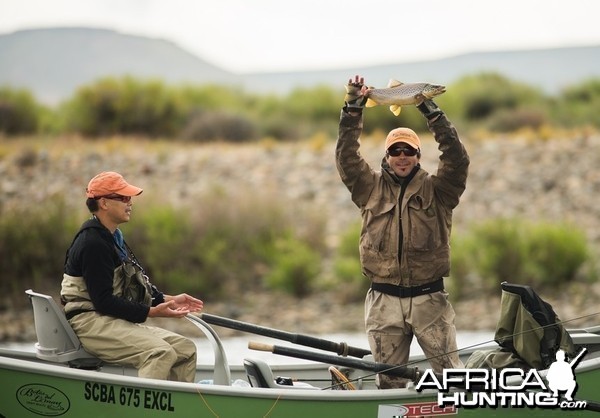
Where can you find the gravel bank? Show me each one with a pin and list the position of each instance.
(557, 179)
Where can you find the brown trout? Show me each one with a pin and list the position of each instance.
(398, 94)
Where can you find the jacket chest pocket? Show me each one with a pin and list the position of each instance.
(424, 223)
(379, 224)
(130, 283)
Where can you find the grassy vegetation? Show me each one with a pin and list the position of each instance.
(153, 109)
(33, 244)
(346, 267)
(541, 254)
(235, 243)
(229, 244)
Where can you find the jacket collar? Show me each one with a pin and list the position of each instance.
(94, 223)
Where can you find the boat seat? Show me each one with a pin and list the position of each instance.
(57, 342)
(260, 375)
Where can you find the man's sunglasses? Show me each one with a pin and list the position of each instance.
(408, 151)
(124, 199)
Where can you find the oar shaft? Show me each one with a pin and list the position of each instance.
(246, 327)
(405, 372)
(306, 340)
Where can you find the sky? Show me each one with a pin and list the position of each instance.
(244, 36)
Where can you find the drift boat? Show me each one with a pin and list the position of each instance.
(60, 379)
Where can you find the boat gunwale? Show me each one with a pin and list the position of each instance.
(59, 371)
(63, 372)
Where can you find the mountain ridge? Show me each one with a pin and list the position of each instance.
(53, 62)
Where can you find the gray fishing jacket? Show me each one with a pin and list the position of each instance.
(425, 210)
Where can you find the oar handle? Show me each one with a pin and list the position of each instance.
(253, 345)
(405, 372)
(306, 340)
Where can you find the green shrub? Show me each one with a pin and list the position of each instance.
(33, 243)
(300, 114)
(19, 112)
(478, 97)
(163, 240)
(317, 104)
(510, 120)
(215, 97)
(578, 104)
(124, 106)
(227, 245)
(219, 125)
(556, 253)
(500, 251)
(294, 266)
(183, 252)
(277, 125)
(347, 270)
(587, 92)
(459, 282)
(538, 254)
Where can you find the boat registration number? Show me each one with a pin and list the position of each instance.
(128, 396)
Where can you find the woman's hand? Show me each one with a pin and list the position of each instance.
(186, 301)
(176, 306)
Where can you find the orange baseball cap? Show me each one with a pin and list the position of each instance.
(109, 182)
(405, 135)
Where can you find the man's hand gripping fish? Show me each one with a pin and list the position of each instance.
(398, 94)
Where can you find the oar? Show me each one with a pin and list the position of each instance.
(342, 348)
(400, 371)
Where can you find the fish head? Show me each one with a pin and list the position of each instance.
(432, 90)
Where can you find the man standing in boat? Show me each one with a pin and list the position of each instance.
(107, 295)
(405, 237)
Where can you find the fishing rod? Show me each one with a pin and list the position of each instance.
(516, 334)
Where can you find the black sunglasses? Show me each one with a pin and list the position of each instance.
(408, 151)
(124, 199)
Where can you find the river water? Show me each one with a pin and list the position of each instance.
(237, 347)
